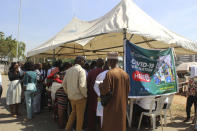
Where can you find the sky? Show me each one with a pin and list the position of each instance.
(42, 19)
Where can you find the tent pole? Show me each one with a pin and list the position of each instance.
(54, 55)
(130, 115)
(124, 34)
(83, 53)
(124, 38)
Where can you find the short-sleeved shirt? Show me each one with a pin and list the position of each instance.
(30, 80)
(192, 89)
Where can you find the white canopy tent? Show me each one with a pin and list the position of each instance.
(95, 38)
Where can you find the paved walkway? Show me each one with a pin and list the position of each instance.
(44, 122)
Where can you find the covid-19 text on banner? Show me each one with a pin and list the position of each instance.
(152, 72)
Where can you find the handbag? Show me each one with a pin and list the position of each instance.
(31, 87)
(106, 98)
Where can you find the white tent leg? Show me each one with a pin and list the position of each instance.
(34, 60)
(131, 111)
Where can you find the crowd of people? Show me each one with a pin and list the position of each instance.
(81, 95)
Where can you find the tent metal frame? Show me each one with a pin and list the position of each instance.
(124, 31)
(94, 51)
(101, 49)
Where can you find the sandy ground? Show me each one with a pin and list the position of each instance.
(41, 122)
(44, 121)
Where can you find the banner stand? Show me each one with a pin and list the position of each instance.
(148, 68)
(131, 100)
(130, 112)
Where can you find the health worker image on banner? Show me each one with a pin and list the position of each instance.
(152, 72)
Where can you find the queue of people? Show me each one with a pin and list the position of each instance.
(80, 96)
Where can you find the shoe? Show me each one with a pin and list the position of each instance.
(27, 120)
(187, 120)
(15, 116)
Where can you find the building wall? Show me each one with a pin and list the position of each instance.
(186, 58)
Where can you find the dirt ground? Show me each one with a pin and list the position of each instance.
(41, 122)
(44, 121)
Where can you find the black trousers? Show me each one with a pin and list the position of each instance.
(1, 90)
(190, 101)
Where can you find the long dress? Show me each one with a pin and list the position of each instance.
(14, 90)
(92, 98)
(114, 115)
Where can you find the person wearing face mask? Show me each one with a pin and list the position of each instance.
(14, 91)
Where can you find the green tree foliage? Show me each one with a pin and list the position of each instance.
(8, 47)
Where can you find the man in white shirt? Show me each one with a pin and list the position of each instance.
(99, 79)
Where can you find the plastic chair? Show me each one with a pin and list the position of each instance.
(154, 112)
(170, 98)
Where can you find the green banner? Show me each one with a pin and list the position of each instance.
(152, 72)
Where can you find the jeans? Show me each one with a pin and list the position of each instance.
(36, 103)
(29, 103)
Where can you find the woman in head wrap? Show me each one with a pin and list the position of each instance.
(14, 91)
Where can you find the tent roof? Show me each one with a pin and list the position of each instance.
(106, 34)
